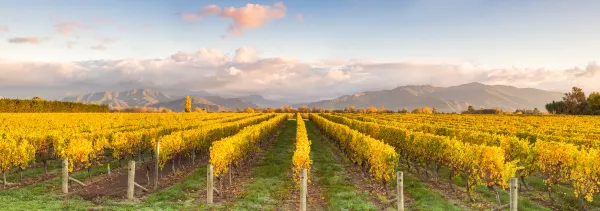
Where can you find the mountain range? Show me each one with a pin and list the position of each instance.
(445, 99)
(153, 98)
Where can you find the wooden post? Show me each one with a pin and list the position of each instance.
(156, 166)
(230, 174)
(131, 179)
(209, 184)
(303, 189)
(400, 190)
(108, 169)
(514, 193)
(65, 175)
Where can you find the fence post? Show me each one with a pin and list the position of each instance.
(400, 190)
(514, 193)
(303, 189)
(156, 165)
(65, 175)
(131, 179)
(209, 185)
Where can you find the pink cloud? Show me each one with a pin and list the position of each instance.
(66, 28)
(98, 47)
(31, 40)
(3, 29)
(252, 16)
(189, 17)
(210, 10)
(300, 17)
(71, 44)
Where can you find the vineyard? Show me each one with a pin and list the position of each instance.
(316, 161)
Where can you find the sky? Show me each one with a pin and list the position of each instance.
(294, 50)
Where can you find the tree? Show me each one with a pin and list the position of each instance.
(199, 110)
(404, 110)
(435, 111)
(594, 100)
(417, 111)
(304, 109)
(37, 98)
(249, 110)
(426, 110)
(381, 109)
(371, 109)
(188, 104)
(575, 100)
(536, 111)
(352, 109)
(470, 109)
(314, 109)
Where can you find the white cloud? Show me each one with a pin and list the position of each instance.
(246, 55)
(292, 79)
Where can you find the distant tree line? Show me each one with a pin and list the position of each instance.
(576, 103)
(39, 105)
(471, 110)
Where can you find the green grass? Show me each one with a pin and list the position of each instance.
(328, 172)
(424, 198)
(489, 196)
(272, 182)
(563, 195)
(33, 172)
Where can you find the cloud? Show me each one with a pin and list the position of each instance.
(107, 40)
(3, 29)
(98, 47)
(71, 44)
(252, 16)
(284, 78)
(300, 17)
(66, 28)
(203, 57)
(31, 40)
(246, 55)
(209, 10)
(189, 17)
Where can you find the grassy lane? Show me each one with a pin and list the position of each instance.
(328, 172)
(272, 181)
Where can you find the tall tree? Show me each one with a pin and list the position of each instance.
(574, 100)
(188, 104)
(435, 111)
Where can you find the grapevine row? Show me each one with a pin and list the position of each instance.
(301, 158)
(231, 150)
(378, 158)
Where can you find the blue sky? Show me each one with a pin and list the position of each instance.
(557, 34)
(495, 41)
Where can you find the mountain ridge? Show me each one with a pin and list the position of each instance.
(445, 99)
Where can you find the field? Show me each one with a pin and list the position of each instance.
(160, 161)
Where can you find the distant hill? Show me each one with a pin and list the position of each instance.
(446, 99)
(262, 102)
(197, 102)
(153, 98)
(231, 103)
(125, 99)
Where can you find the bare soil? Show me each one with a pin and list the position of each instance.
(115, 185)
